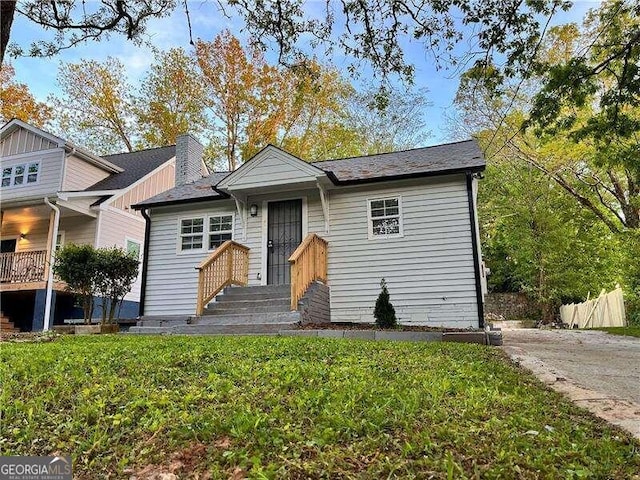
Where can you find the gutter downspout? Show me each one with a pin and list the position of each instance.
(52, 255)
(476, 251)
(145, 259)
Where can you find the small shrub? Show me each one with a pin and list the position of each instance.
(116, 272)
(384, 312)
(76, 266)
(109, 272)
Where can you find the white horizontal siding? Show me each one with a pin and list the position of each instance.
(255, 239)
(429, 271)
(79, 174)
(172, 280)
(80, 230)
(77, 229)
(49, 175)
(115, 227)
(36, 234)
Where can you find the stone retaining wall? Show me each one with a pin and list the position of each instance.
(510, 306)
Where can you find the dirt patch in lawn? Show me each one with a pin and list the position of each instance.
(28, 337)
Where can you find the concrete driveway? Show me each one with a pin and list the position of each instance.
(598, 371)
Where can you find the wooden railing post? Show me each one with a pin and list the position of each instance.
(308, 263)
(199, 305)
(219, 271)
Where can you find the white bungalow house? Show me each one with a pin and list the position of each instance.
(54, 193)
(312, 241)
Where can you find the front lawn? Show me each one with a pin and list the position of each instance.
(628, 331)
(295, 408)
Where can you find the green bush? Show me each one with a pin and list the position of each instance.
(76, 265)
(384, 312)
(87, 271)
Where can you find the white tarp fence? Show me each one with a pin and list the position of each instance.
(607, 310)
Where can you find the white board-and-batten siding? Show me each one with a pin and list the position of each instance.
(273, 167)
(24, 141)
(163, 179)
(429, 270)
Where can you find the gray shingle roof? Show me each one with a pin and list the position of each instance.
(419, 161)
(199, 190)
(135, 164)
(436, 160)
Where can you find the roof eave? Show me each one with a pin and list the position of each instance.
(408, 176)
(91, 158)
(180, 201)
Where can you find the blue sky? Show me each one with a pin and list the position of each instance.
(40, 73)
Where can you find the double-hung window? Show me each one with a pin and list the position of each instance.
(191, 234)
(220, 230)
(205, 233)
(20, 174)
(385, 217)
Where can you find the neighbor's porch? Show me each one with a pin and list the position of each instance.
(29, 235)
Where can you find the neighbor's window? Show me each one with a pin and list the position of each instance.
(133, 248)
(220, 230)
(385, 218)
(20, 174)
(191, 234)
(59, 240)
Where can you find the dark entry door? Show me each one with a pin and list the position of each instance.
(7, 246)
(284, 234)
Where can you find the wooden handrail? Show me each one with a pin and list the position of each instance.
(227, 265)
(308, 263)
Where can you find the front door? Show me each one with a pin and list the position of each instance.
(284, 234)
(8, 246)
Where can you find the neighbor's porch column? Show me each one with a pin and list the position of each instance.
(40, 305)
(51, 243)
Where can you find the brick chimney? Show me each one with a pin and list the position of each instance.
(188, 159)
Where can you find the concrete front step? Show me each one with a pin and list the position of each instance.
(162, 321)
(229, 308)
(245, 296)
(233, 329)
(247, 318)
(238, 310)
(270, 289)
(216, 329)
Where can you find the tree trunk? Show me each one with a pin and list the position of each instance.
(7, 9)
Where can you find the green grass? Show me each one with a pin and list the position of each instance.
(628, 331)
(296, 408)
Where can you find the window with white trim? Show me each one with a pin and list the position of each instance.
(17, 175)
(220, 230)
(191, 233)
(59, 240)
(133, 248)
(385, 217)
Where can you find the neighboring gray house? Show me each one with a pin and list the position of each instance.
(408, 217)
(55, 193)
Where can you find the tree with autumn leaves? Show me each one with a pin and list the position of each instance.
(231, 98)
(16, 101)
